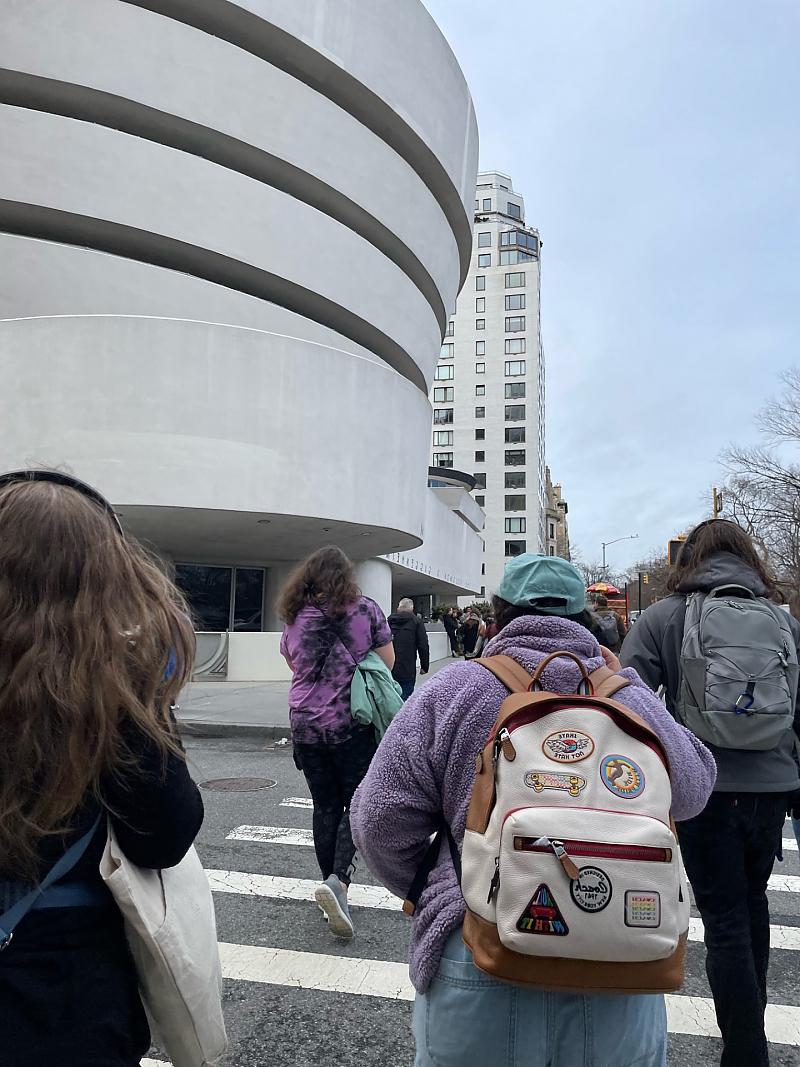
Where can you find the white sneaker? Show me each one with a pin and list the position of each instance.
(332, 898)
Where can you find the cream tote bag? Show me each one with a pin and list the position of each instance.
(172, 934)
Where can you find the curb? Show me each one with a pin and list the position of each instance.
(201, 728)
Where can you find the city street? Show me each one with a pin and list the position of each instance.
(295, 997)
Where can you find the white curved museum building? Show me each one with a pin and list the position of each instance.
(231, 234)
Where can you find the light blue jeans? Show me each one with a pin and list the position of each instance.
(467, 1019)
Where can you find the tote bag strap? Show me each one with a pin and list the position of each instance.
(10, 919)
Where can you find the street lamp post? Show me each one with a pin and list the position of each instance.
(605, 544)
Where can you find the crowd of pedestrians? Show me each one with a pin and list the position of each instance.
(534, 803)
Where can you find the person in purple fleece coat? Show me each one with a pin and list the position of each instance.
(424, 771)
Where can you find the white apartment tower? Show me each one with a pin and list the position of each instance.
(488, 397)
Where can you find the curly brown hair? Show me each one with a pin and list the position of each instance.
(710, 538)
(326, 578)
(88, 624)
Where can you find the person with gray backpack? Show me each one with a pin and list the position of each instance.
(726, 656)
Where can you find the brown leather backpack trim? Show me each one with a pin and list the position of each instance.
(570, 976)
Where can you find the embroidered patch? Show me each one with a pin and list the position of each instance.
(591, 890)
(642, 908)
(568, 746)
(622, 777)
(542, 915)
(570, 783)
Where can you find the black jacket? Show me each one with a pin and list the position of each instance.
(68, 989)
(410, 639)
(653, 648)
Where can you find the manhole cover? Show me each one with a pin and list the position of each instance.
(239, 785)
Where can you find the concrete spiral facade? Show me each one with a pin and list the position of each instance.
(230, 236)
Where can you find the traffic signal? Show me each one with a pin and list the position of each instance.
(645, 579)
(674, 547)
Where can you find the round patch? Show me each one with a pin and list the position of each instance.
(591, 890)
(622, 777)
(568, 746)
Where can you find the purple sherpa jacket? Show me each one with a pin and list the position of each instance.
(425, 766)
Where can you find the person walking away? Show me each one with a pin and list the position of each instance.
(471, 629)
(612, 628)
(410, 640)
(727, 659)
(450, 624)
(422, 778)
(330, 627)
(95, 645)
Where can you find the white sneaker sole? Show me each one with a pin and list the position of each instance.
(338, 922)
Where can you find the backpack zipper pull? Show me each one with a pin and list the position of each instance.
(565, 860)
(494, 885)
(507, 745)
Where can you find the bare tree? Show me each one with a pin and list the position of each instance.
(763, 488)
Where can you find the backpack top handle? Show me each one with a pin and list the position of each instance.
(585, 681)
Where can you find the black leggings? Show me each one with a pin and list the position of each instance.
(333, 773)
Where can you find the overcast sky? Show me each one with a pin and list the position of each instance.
(656, 145)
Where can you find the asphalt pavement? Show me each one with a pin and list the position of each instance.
(296, 997)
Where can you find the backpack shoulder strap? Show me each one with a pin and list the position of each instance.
(514, 677)
(605, 683)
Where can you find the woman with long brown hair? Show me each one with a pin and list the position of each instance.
(732, 678)
(95, 645)
(330, 628)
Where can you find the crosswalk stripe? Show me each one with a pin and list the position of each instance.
(270, 885)
(390, 981)
(786, 938)
(272, 835)
(296, 802)
(790, 844)
(784, 883)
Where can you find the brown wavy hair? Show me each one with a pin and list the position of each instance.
(88, 623)
(326, 578)
(709, 539)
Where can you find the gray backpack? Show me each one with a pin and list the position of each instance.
(739, 670)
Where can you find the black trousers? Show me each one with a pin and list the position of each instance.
(729, 850)
(333, 773)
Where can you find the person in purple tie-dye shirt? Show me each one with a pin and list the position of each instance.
(330, 628)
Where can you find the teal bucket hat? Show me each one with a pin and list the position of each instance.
(531, 578)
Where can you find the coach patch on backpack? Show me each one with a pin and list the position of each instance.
(573, 784)
(568, 746)
(543, 915)
(591, 890)
(622, 777)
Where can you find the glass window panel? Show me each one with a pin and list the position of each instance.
(515, 479)
(515, 548)
(447, 350)
(515, 503)
(480, 348)
(442, 416)
(515, 435)
(515, 346)
(480, 390)
(480, 480)
(515, 302)
(480, 282)
(480, 324)
(480, 368)
(443, 437)
(515, 412)
(484, 240)
(487, 205)
(480, 413)
(208, 591)
(515, 390)
(480, 501)
(480, 304)
(516, 526)
(485, 259)
(480, 457)
(445, 372)
(443, 459)
(480, 435)
(451, 328)
(515, 323)
(514, 367)
(515, 280)
(513, 210)
(248, 600)
(444, 394)
(515, 457)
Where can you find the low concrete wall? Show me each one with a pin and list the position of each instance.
(256, 657)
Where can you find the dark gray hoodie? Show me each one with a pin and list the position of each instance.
(653, 648)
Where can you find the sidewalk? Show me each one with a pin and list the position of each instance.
(243, 709)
